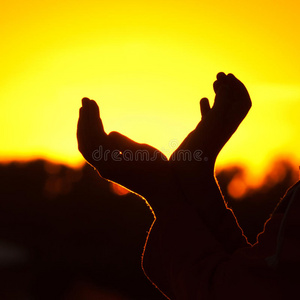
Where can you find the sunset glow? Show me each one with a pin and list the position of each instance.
(147, 64)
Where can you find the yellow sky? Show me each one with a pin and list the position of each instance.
(147, 64)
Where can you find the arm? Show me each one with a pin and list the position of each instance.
(139, 167)
(196, 176)
(185, 261)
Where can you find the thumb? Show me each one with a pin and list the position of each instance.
(204, 107)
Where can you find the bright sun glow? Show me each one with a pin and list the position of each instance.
(147, 64)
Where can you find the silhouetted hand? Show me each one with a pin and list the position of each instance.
(145, 170)
(195, 176)
(138, 167)
(232, 103)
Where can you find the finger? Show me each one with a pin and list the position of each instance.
(186, 143)
(94, 114)
(94, 109)
(85, 109)
(204, 107)
(83, 119)
(221, 79)
(221, 76)
(218, 85)
(231, 76)
(81, 129)
(91, 107)
(84, 101)
(223, 98)
(223, 90)
(234, 81)
(79, 123)
(239, 87)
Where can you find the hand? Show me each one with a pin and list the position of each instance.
(196, 177)
(232, 103)
(139, 167)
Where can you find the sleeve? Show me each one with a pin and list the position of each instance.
(184, 261)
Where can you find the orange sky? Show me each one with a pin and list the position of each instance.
(147, 64)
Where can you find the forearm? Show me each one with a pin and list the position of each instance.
(205, 196)
(181, 254)
(185, 261)
(224, 224)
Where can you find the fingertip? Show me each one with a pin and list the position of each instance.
(231, 76)
(221, 76)
(93, 102)
(233, 80)
(204, 101)
(85, 100)
(94, 107)
(204, 107)
(221, 79)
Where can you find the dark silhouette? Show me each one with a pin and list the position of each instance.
(98, 236)
(196, 249)
(81, 236)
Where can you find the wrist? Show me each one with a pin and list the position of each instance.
(164, 197)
